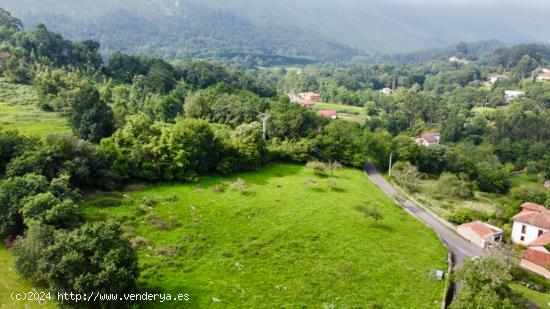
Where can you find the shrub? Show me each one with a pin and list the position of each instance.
(464, 215)
(451, 185)
(240, 186)
(318, 168)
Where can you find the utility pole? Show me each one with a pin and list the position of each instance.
(389, 169)
(264, 118)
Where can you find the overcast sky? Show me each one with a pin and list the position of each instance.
(532, 3)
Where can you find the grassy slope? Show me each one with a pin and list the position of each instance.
(28, 120)
(289, 242)
(540, 299)
(347, 112)
(9, 283)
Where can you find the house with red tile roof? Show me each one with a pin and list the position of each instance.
(310, 96)
(428, 139)
(530, 223)
(537, 257)
(480, 233)
(329, 113)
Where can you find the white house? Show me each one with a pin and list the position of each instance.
(387, 91)
(454, 59)
(480, 233)
(510, 95)
(537, 257)
(530, 223)
(428, 139)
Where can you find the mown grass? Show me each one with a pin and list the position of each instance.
(10, 283)
(18, 94)
(542, 300)
(346, 112)
(30, 121)
(289, 239)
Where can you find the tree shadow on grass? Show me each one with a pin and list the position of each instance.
(382, 227)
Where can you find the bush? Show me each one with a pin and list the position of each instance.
(318, 168)
(407, 176)
(240, 186)
(464, 215)
(458, 187)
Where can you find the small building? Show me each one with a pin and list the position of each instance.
(454, 59)
(530, 223)
(309, 96)
(387, 91)
(544, 75)
(428, 139)
(537, 257)
(510, 95)
(480, 233)
(329, 113)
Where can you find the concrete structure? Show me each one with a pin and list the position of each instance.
(510, 95)
(309, 96)
(530, 223)
(480, 234)
(329, 113)
(544, 75)
(387, 91)
(537, 258)
(428, 139)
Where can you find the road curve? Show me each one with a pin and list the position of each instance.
(460, 247)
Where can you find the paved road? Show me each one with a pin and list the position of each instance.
(461, 248)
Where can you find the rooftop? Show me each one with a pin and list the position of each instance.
(537, 257)
(482, 229)
(534, 214)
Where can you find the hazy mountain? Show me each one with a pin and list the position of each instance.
(320, 29)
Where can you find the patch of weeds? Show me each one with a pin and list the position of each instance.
(149, 201)
(163, 224)
(139, 241)
(219, 188)
(172, 198)
(168, 251)
(241, 186)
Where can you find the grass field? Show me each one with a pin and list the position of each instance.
(9, 283)
(291, 239)
(347, 112)
(28, 120)
(540, 299)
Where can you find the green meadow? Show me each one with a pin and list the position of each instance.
(277, 237)
(30, 121)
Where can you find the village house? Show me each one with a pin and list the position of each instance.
(537, 257)
(510, 95)
(480, 233)
(306, 104)
(387, 91)
(454, 59)
(544, 75)
(329, 113)
(428, 139)
(530, 223)
(309, 96)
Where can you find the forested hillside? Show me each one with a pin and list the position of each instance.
(273, 30)
(143, 120)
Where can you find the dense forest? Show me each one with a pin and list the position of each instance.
(141, 118)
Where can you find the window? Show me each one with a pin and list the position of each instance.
(522, 238)
(523, 228)
(541, 232)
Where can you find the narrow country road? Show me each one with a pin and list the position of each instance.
(460, 247)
